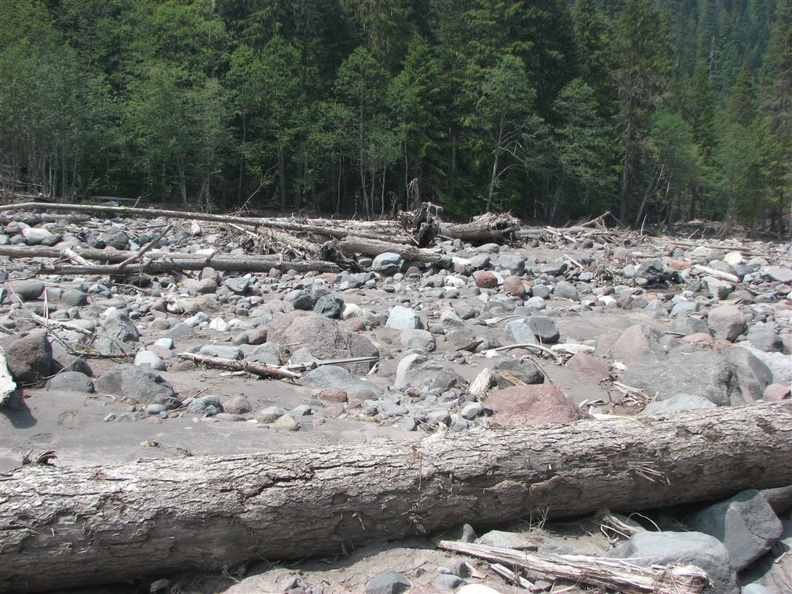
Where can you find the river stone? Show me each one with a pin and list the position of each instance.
(388, 581)
(29, 358)
(689, 325)
(521, 332)
(638, 344)
(764, 338)
(519, 406)
(695, 548)
(776, 393)
(417, 370)
(329, 306)
(387, 263)
(525, 371)
(236, 405)
(239, 285)
(286, 423)
(707, 374)
(418, 339)
(544, 329)
(71, 381)
(513, 263)
(403, 318)
(486, 279)
(745, 524)
(677, 403)
(118, 335)
(222, 351)
(566, 290)
(335, 377)
(514, 286)
(149, 359)
(300, 299)
(74, 298)
(26, 290)
(135, 383)
(726, 322)
(37, 236)
(323, 338)
(781, 274)
(208, 405)
(753, 376)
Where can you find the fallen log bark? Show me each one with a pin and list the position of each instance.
(156, 261)
(371, 247)
(102, 524)
(484, 228)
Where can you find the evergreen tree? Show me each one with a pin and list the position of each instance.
(642, 54)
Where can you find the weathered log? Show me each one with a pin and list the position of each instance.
(101, 524)
(485, 228)
(156, 261)
(371, 247)
(323, 228)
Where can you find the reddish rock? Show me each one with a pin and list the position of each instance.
(29, 358)
(257, 335)
(237, 405)
(412, 272)
(485, 279)
(776, 393)
(589, 366)
(679, 264)
(699, 338)
(513, 285)
(331, 395)
(534, 404)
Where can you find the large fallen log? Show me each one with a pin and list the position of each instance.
(371, 247)
(62, 527)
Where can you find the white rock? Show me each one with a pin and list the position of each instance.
(218, 324)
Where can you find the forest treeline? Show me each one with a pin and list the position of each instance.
(658, 111)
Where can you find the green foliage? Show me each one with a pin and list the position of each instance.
(664, 109)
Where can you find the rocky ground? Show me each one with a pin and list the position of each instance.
(607, 323)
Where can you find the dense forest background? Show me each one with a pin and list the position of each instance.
(658, 111)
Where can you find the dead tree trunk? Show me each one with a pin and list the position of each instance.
(63, 527)
(371, 247)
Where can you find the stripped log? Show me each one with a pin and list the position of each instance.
(253, 367)
(100, 524)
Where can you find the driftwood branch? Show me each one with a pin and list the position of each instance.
(370, 247)
(617, 574)
(102, 524)
(256, 368)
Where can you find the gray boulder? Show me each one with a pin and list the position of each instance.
(521, 332)
(71, 381)
(752, 375)
(329, 306)
(26, 290)
(544, 329)
(726, 322)
(135, 383)
(403, 318)
(676, 403)
(387, 263)
(418, 339)
(689, 325)
(208, 405)
(566, 290)
(745, 523)
(117, 335)
(337, 378)
(222, 351)
(706, 374)
(417, 370)
(526, 371)
(764, 338)
(388, 581)
(322, 337)
(689, 548)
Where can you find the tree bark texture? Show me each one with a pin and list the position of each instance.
(156, 261)
(62, 527)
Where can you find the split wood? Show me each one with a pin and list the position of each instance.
(596, 571)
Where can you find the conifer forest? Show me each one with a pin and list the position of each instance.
(658, 111)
